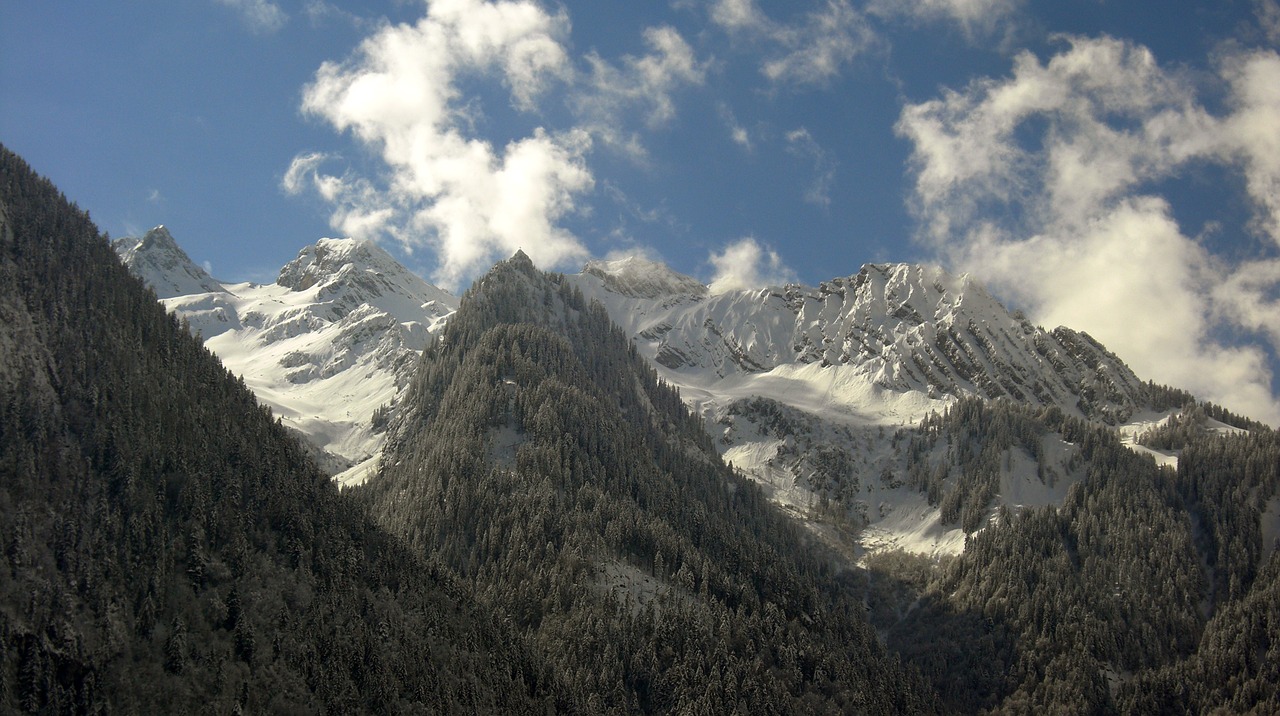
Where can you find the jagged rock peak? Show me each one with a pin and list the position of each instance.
(157, 259)
(330, 257)
(638, 277)
(157, 238)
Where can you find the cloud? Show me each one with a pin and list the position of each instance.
(319, 12)
(154, 196)
(802, 144)
(468, 200)
(1045, 185)
(405, 95)
(260, 16)
(737, 132)
(1268, 13)
(737, 16)
(974, 17)
(811, 51)
(745, 264)
(609, 92)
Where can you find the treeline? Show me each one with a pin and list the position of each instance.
(537, 455)
(167, 547)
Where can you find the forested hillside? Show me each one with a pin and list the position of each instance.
(1149, 590)
(537, 454)
(167, 547)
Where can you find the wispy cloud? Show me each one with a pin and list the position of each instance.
(974, 17)
(260, 16)
(737, 132)
(811, 51)
(745, 264)
(1268, 13)
(1043, 183)
(608, 92)
(801, 143)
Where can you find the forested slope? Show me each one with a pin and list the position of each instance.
(537, 454)
(1149, 590)
(167, 547)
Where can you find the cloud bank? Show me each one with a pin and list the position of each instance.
(1046, 184)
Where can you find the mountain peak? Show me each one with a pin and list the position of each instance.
(158, 237)
(157, 259)
(345, 273)
(328, 258)
(638, 277)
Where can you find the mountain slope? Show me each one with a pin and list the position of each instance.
(537, 454)
(807, 389)
(158, 260)
(168, 547)
(1148, 590)
(329, 345)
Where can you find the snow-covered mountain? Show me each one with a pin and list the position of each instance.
(880, 345)
(804, 388)
(328, 346)
(158, 260)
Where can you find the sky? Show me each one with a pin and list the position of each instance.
(1110, 166)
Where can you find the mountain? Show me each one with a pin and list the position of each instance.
(169, 548)
(552, 530)
(807, 389)
(157, 259)
(538, 455)
(895, 329)
(328, 346)
(804, 389)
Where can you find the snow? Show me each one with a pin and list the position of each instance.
(859, 357)
(335, 338)
(157, 260)
(913, 526)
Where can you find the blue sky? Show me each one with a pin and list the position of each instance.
(1111, 166)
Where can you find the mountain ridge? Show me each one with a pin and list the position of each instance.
(327, 346)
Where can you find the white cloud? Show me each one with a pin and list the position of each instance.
(819, 49)
(811, 51)
(974, 17)
(738, 15)
(260, 16)
(1251, 133)
(745, 264)
(448, 188)
(1042, 184)
(468, 200)
(319, 12)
